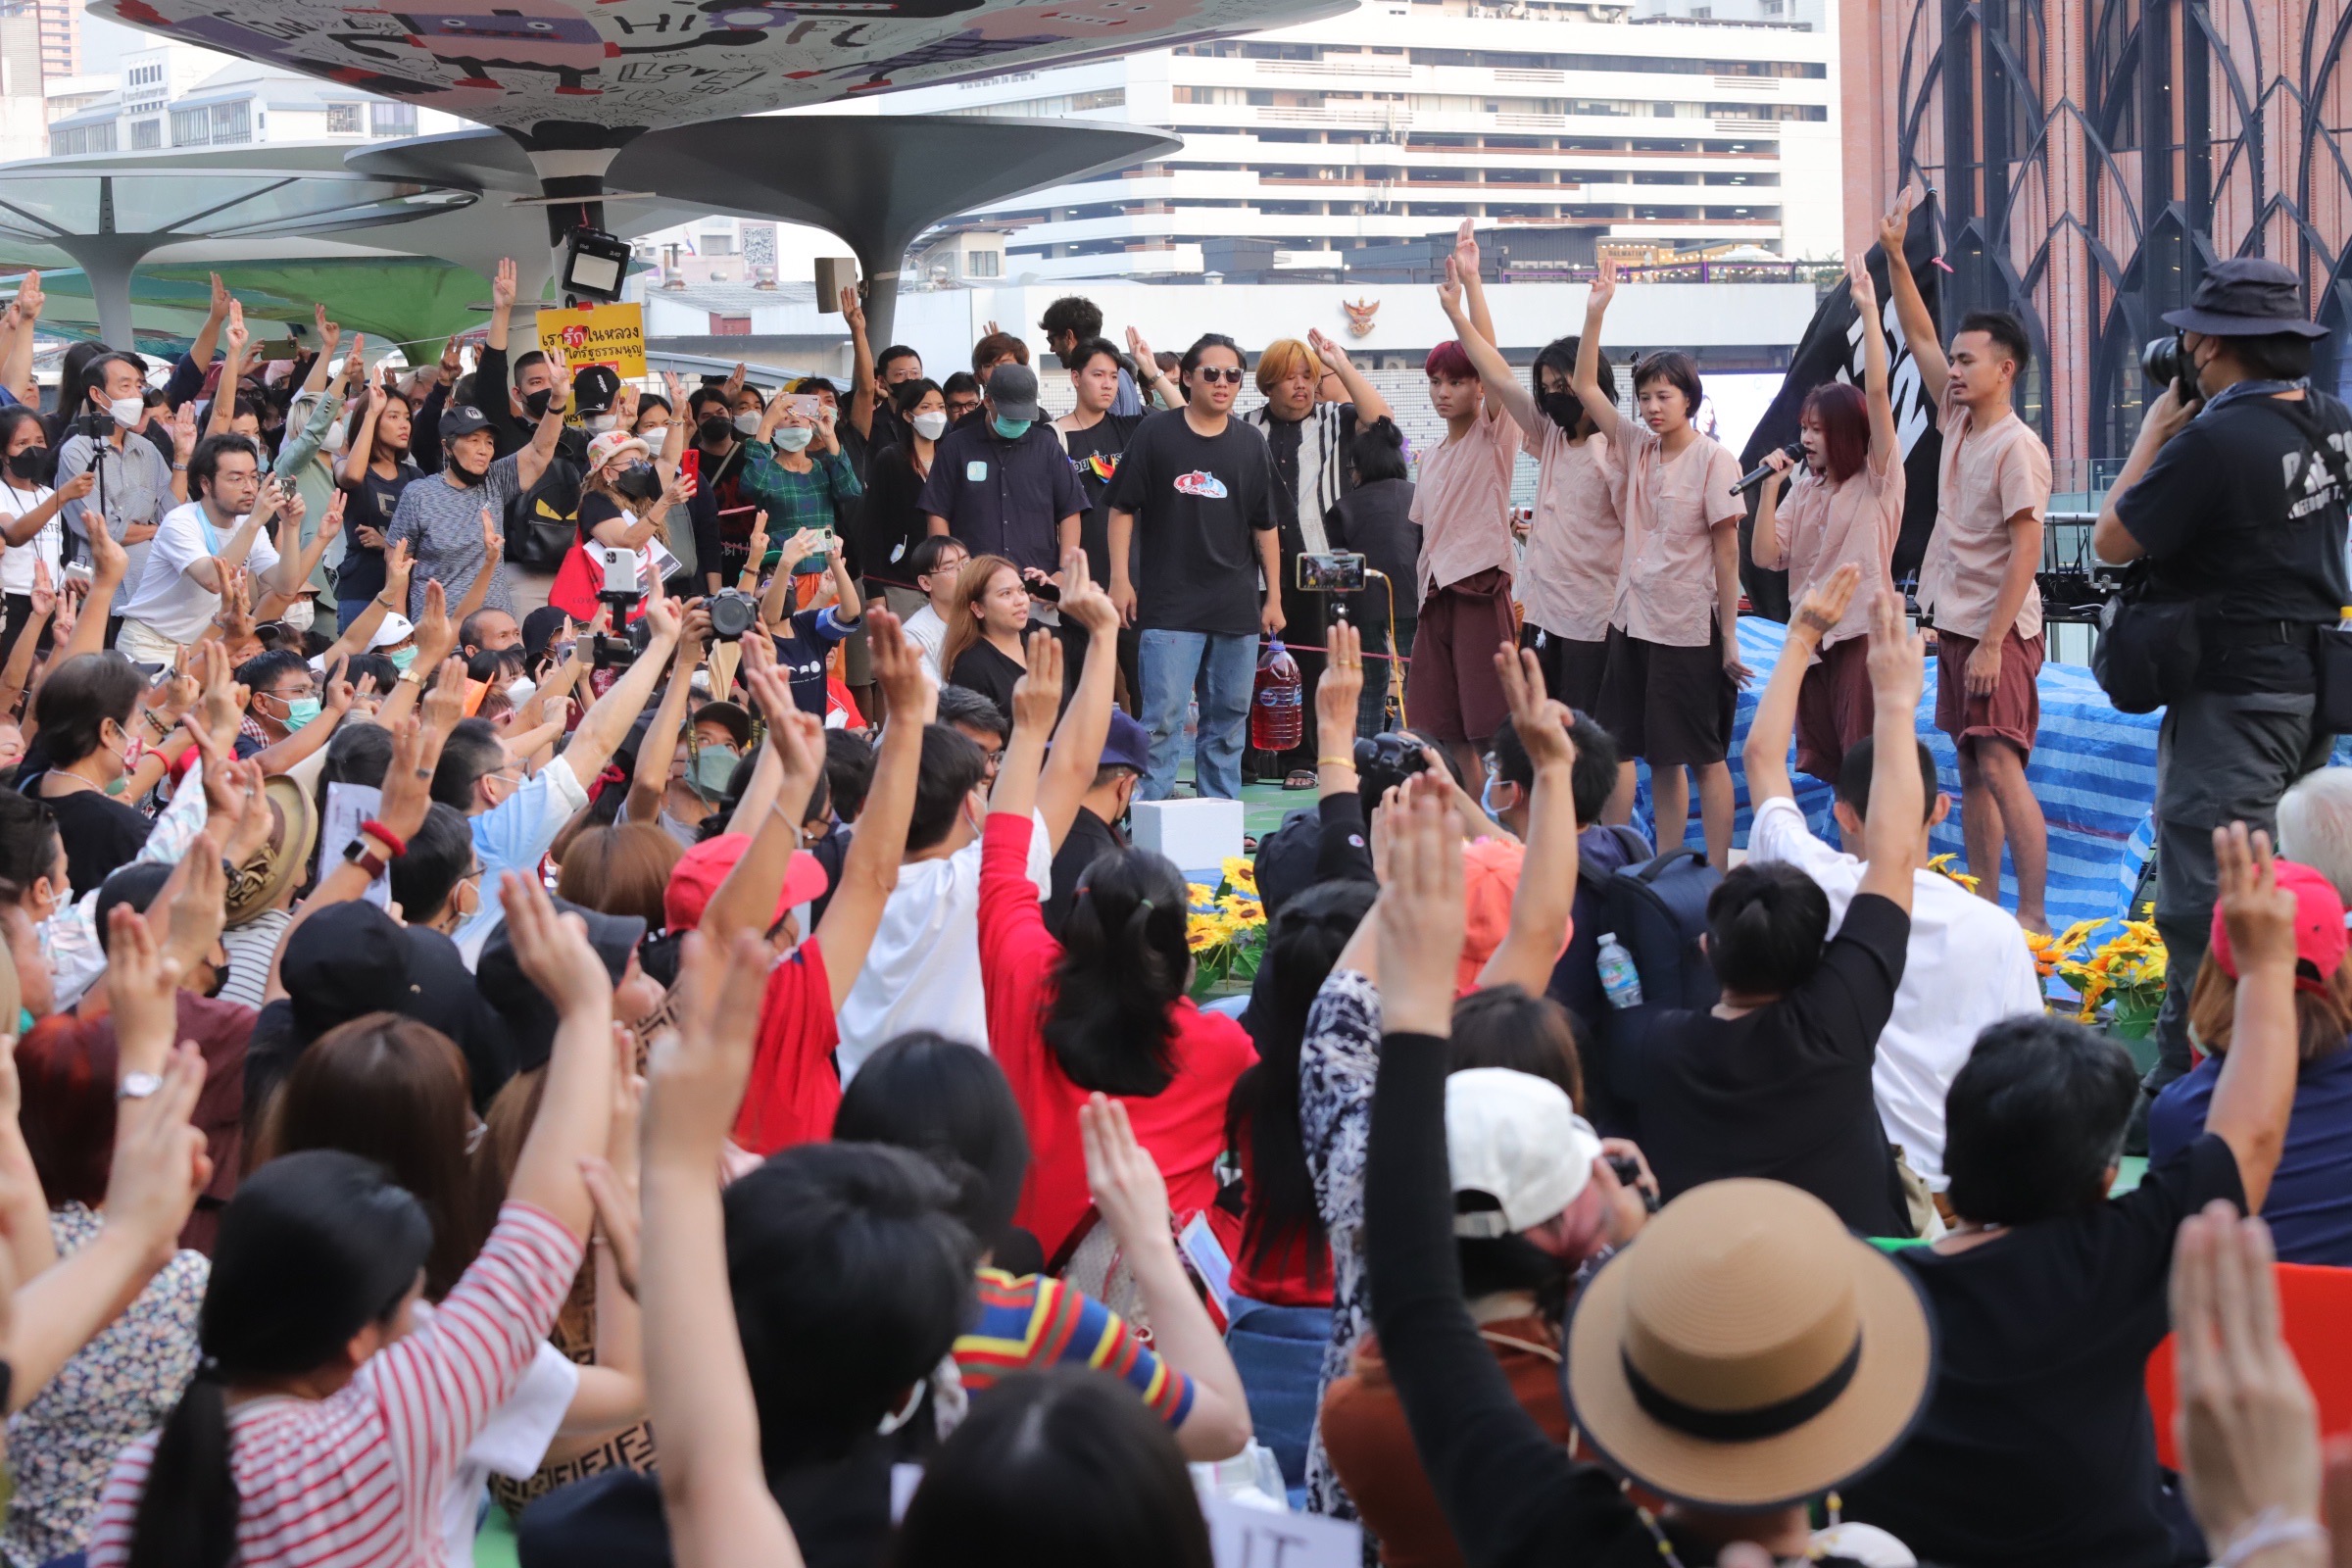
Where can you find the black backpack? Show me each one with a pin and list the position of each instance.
(1658, 912)
(543, 522)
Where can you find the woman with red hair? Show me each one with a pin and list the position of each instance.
(1845, 506)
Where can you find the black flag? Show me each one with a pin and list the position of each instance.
(1831, 350)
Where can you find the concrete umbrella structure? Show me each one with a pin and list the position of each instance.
(105, 222)
(574, 81)
(875, 180)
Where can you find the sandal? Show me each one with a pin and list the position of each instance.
(1301, 778)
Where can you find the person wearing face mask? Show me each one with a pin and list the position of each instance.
(719, 510)
(794, 471)
(31, 522)
(376, 468)
(891, 521)
(1003, 484)
(674, 786)
(314, 441)
(134, 484)
(82, 759)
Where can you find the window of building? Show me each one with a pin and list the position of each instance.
(983, 264)
(232, 122)
(84, 139)
(146, 135)
(719, 244)
(391, 120)
(191, 128)
(343, 119)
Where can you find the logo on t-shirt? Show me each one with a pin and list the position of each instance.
(1200, 482)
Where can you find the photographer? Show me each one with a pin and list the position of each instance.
(2235, 497)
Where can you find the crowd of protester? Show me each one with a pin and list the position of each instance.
(575, 967)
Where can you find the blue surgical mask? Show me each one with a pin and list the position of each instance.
(301, 710)
(403, 658)
(713, 767)
(1010, 429)
(1486, 799)
(794, 437)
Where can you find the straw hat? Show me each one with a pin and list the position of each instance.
(1747, 1352)
(282, 859)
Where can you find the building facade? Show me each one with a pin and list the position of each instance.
(2094, 158)
(175, 95)
(1395, 122)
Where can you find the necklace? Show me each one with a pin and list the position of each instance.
(1666, 1553)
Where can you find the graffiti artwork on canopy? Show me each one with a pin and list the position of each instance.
(620, 66)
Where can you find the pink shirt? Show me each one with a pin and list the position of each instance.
(1989, 475)
(1822, 526)
(1666, 586)
(355, 1480)
(1568, 582)
(1462, 501)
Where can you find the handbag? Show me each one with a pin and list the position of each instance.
(542, 525)
(2148, 645)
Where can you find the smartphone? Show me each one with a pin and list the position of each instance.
(1331, 571)
(691, 465)
(815, 562)
(620, 573)
(805, 403)
(78, 572)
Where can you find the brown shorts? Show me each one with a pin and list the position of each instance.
(2013, 712)
(1671, 707)
(1572, 669)
(1451, 692)
(1833, 709)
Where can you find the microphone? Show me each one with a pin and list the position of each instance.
(1794, 451)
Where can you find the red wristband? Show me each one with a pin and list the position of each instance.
(386, 837)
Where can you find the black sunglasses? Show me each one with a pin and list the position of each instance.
(1219, 372)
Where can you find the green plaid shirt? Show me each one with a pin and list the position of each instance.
(819, 499)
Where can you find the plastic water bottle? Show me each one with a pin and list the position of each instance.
(1620, 981)
(1278, 701)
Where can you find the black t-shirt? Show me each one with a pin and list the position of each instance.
(891, 521)
(371, 504)
(2240, 513)
(1784, 1092)
(1094, 457)
(984, 668)
(2036, 1450)
(101, 835)
(1377, 521)
(1089, 839)
(1199, 503)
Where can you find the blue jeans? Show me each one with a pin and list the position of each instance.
(348, 610)
(1222, 666)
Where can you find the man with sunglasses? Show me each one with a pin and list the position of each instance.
(1195, 492)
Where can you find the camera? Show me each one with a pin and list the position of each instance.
(619, 588)
(819, 560)
(733, 613)
(2165, 361)
(1331, 571)
(1384, 760)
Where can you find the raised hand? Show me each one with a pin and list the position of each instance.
(409, 779)
(160, 1162)
(1542, 724)
(1450, 292)
(1037, 695)
(1141, 350)
(853, 314)
(1465, 249)
(502, 285)
(1898, 654)
(222, 299)
(1083, 599)
(330, 334)
(183, 432)
(1825, 602)
(908, 693)
(1335, 358)
(1864, 292)
(108, 558)
(237, 334)
(355, 364)
(494, 540)
(1121, 1175)
(399, 563)
(1603, 290)
(1339, 686)
(559, 370)
(1420, 913)
(331, 523)
(29, 298)
(436, 635)
(1895, 225)
(445, 704)
(696, 1074)
(2259, 915)
(452, 359)
(142, 985)
(44, 596)
(554, 950)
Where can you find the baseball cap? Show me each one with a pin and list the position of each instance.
(604, 447)
(531, 1017)
(699, 871)
(1013, 391)
(594, 387)
(393, 628)
(539, 629)
(1515, 1138)
(1128, 745)
(731, 714)
(2320, 936)
(461, 419)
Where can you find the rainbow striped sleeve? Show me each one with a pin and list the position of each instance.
(1035, 1322)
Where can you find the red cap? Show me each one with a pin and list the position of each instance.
(2320, 936)
(700, 871)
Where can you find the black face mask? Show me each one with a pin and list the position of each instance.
(1562, 408)
(28, 463)
(715, 430)
(536, 404)
(638, 482)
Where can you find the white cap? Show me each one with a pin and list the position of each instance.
(394, 628)
(1517, 1139)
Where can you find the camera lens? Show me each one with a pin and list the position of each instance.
(2165, 360)
(732, 614)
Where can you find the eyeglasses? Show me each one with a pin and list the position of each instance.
(1214, 374)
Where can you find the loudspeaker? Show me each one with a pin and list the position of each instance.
(833, 275)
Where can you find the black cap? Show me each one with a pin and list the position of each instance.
(461, 419)
(2246, 297)
(732, 716)
(343, 961)
(1286, 859)
(594, 387)
(531, 1017)
(539, 629)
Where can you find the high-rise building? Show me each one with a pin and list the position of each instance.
(61, 36)
(1391, 124)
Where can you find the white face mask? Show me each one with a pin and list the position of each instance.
(520, 688)
(599, 422)
(747, 423)
(334, 438)
(127, 411)
(930, 427)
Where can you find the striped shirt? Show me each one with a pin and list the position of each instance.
(356, 1480)
(1035, 1322)
(1322, 465)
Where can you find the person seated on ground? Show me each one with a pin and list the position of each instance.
(1967, 966)
(2309, 1208)
(936, 564)
(1515, 940)
(804, 637)
(1094, 829)
(391, 1091)
(1103, 1009)
(923, 970)
(976, 718)
(1745, 1355)
(1529, 1213)
(322, 1395)
(2315, 826)
(1776, 1079)
(2048, 1294)
(941, 1098)
(829, 1284)
(87, 710)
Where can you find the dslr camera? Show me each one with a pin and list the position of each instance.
(733, 612)
(2165, 360)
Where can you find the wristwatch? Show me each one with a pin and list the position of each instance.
(363, 854)
(137, 1085)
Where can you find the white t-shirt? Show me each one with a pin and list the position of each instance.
(511, 1443)
(930, 634)
(47, 545)
(924, 969)
(1967, 966)
(170, 602)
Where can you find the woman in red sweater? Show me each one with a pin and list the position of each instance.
(1104, 1011)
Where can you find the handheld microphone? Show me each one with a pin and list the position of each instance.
(1794, 451)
